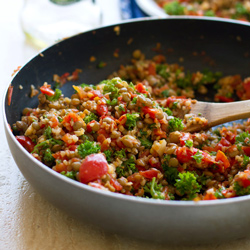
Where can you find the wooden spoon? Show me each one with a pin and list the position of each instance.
(218, 113)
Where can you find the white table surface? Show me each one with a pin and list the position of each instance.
(28, 221)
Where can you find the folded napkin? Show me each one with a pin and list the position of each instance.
(130, 9)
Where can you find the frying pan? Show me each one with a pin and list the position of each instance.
(226, 46)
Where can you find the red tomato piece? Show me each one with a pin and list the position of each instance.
(221, 158)
(93, 167)
(152, 69)
(96, 93)
(26, 142)
(150, 111)
(223, 98)
(47, 90)
(115, 184)
(102, 109)
(10, 92)
(184, 154)
(150, 174)
(209, 196)
(141, 88)
(54, 122)
(246, 150)
(185, 137)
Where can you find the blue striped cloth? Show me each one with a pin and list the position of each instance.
(130, 9)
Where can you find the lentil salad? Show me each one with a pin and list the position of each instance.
(130, 138)
(233, 9)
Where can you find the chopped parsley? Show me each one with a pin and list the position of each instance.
(90, 117)
(218, 193)
(154, 189)
(189, 143)
(170, 173)
(134, 100)
(110, 88)
(108, 154)
(88, 148)
(121, 108)
(128, 165)
(174, 8)
(243, 138)
(146, 143)
(246, 160)
(165, 93)
(48, 132)
(47, 157)
(241, 191)
(175, 124)
(131, 120)
(120, 154)
(69, 174)
(198, 156)
(161, 70)
(187, 185)
(46, 144)
(83, 85)
(168, 111)
(54, 97)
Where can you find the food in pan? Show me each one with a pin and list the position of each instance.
(127, 134)
(239, 10)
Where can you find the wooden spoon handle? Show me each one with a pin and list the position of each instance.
(227, 112)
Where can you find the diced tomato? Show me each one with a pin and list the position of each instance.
(73, 148)
(158, 132)
(141, 88)
(93, 167)
(223, 98)
(246, 150)
(10, 92)
(154, 162)
(151, 111)
(95, 93)
(102, 109)
(136, 181)
(209, 196)
(95, 185)
(185, 137)
(45, 89)
(185, 154)
(152, 69)
(140, 168)
(228, 193)
(150, 174)
(70, 117)
(54, 122)
(89, 127)
(243, 178)
(115, 184)
(75, 74)
(26, 142)
(64, 78)
(67, 138)
(222, 160)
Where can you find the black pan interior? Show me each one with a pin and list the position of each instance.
(225, 43)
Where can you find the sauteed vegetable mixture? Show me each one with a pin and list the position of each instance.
(127, 134)
(239, 10)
